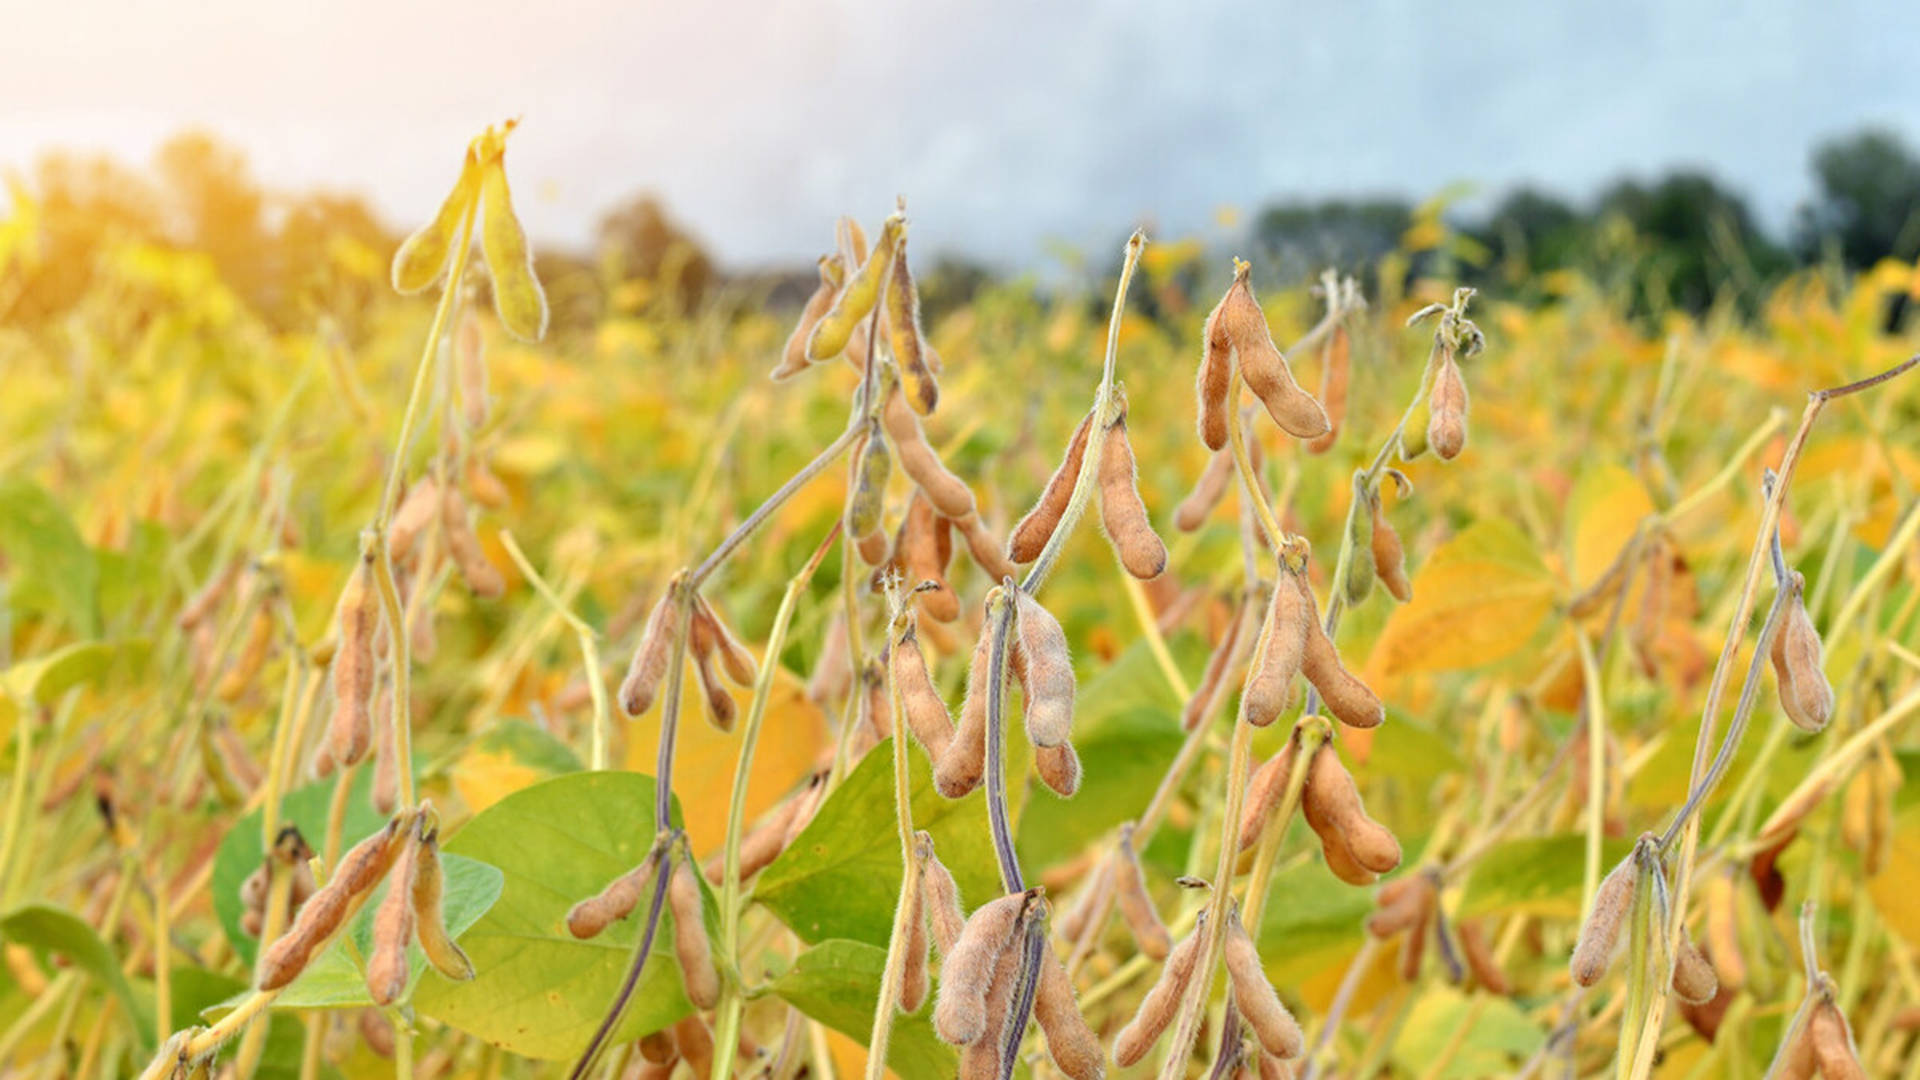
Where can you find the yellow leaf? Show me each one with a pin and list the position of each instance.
(1480, 597)
(1895, 886)
(1607, 505)
(517, 295)
(484, 777)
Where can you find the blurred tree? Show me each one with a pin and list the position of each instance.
(86, 204)
(331, 253)
(1301, 238)
(1698, 238)
(1530, 231)
(1868, 204)
(640, 245)
(215, 205)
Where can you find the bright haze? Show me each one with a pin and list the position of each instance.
(1008, 125)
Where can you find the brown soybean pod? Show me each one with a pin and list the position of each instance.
(983, 546)
(981, 1059)
(283, 961)
(615, 902)
(1447, 428)
(393, 925)
(253, 655)
(690, 1034)
(1389, 558)
(1414, 948)
(386, 771)
(1398, 906)
(1030, 536)
(1335, 800)
(1047, 674)
(351, 734)
(714, 637)
(463, 546)
(1291, 620)
(914, 983)
(1207, 493)
(1072, 1045)
(1335, 374)
(949, 494)
(690, 944)
(1214, 383)
(721, 709)
(1122, 511)
(1200, 704)
(964, 761)
(1341, 863)
(1798, 665)
(960, 1013)
(926, 714)
(1157, 1009)
(1694, 981)
(1264, 367)
(1136, 904)
(1265, 788)
(1832, 1044)
(1723, 930)
(926, 546)
(1593, 953)
(1259, 1006)
(1480, 960)
(904, 336)
(1347, 698)
(649, 664)
(793, 358)
(1059, 768)
(949, 920)
(207, 600)
(760, 846)
(430, 918)
(416, 513)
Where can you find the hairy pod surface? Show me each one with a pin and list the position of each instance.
(1694, 980)
(589, 917)
(650, 658)
(711, 635)
(1265, 790)
(430, 919)
(1263, 366)
(1157, 1009)
(1291, 620)
(1335, 375)
(1074, 1047)
(926, 713)
(1030, 536)
(1278, 1032)
(1799, 665)
(690, 944)
(351, 733)
(418, 510)
(1331, 804)
(1136, 904)
(1389, 557)
(963, 763)
(948, 493)
(1122, 512)
(1447, 406)
(1207, 493)
(1600, 934)
(905, 338)
(483, 579)
(393, 927)
(1046, 673)
(960, 1013)
(1214, 384)
(1059, 768)
(944, 910)
(1347, 698)
(1832, 1043)
(914, 981)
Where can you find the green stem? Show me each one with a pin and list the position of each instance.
(585, 637)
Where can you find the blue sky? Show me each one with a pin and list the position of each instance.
(1009, 126)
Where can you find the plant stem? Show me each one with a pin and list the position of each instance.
(589, 652)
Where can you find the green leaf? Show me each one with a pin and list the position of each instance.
(1498, 1037)
(541, 992)
(1541, 876)
(1311, 920)
(51, 564)
(47, 929)
(841, 876)
(45, 678)
(1126, 730)
(1414, 752)
(838, 983)
(196, 991)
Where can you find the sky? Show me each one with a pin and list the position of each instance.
(1010, 127)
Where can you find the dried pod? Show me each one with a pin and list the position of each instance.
(985, 548)
(944, 911)
(208, 599)
(1046, 672)
(658, 1048)
(649, 664)
(922, 549)
(809, 805)
(1389, 558)
(833, 670)
(376, 1032)
(1600, 934)
(948, 493)
(960, 1012)
(470, 359)
(926, 715)
(589, 917)
(905, 339)
(870, 467)
(1694, 981)
(1206, 494)
(1253, 995)
(1158, 1008)
(1265, 788)
(1291, 623)
(1480, 959)
(983, 1057)
(1723, 928)
(793, 358)
(695, 1043)
(417, 511)
(1263, 366)
(1414, 948)
(963, 763)
(1122, 512)
(721, 709)
(1447, 409)
(484, 485)
(760, 846)
(872, 548)
(690, 943)
(1347, 698)
(252, 656)
(1799, 665)
(709, 634)
(463, 547)
(1031, 535)
(1335, 374)
(393, 926)
(430, 919)
(1059, 768)
(1072, 1045)
(1214, 383)
(1832, 1042)
(1331, 804)
(386, 755)
(914, 982)
(1360, 569)
(1136, 905)
(351, 733)
(857, 298)
(1213, 680)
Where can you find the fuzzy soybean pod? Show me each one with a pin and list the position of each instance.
(1291, 621)
(926, 715)
(695, 1043)
(982, 1058)
(1072, 1045)
(963, 762)
(1262, 364)
(1059, 768)
(721, 709)
(759, 847)
(1122, 512)
(1335, 374)
(1030, 536)
(1332, 806)
(615, 902)
(948, 493)
(1157, 1009)
(871, 467)
(862, 290)
(1600, 934)
(923, 549)
(1447, 409)
(351, 734)
(1399, 905)
(1214, 384)
(944, 911)
(690, 942)
(418, 510)
(711, 635)
(1832, 1042)
(793, 358)
(1047, 672)
(1799, 664)
(430, 917)
(1278, 1032)
(1389, 558)
(1136, 904)
(393, 927)
(1265, 788)
(904, 337)
(1206, 494)
(517, 296)
(1201, 703)
(1480, 960)
(1694, 981)
(987, 551)
(463, 547)
(649, 664)
(1348, 699)
(960, 1012)
(914, 982)
(1360, 568)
